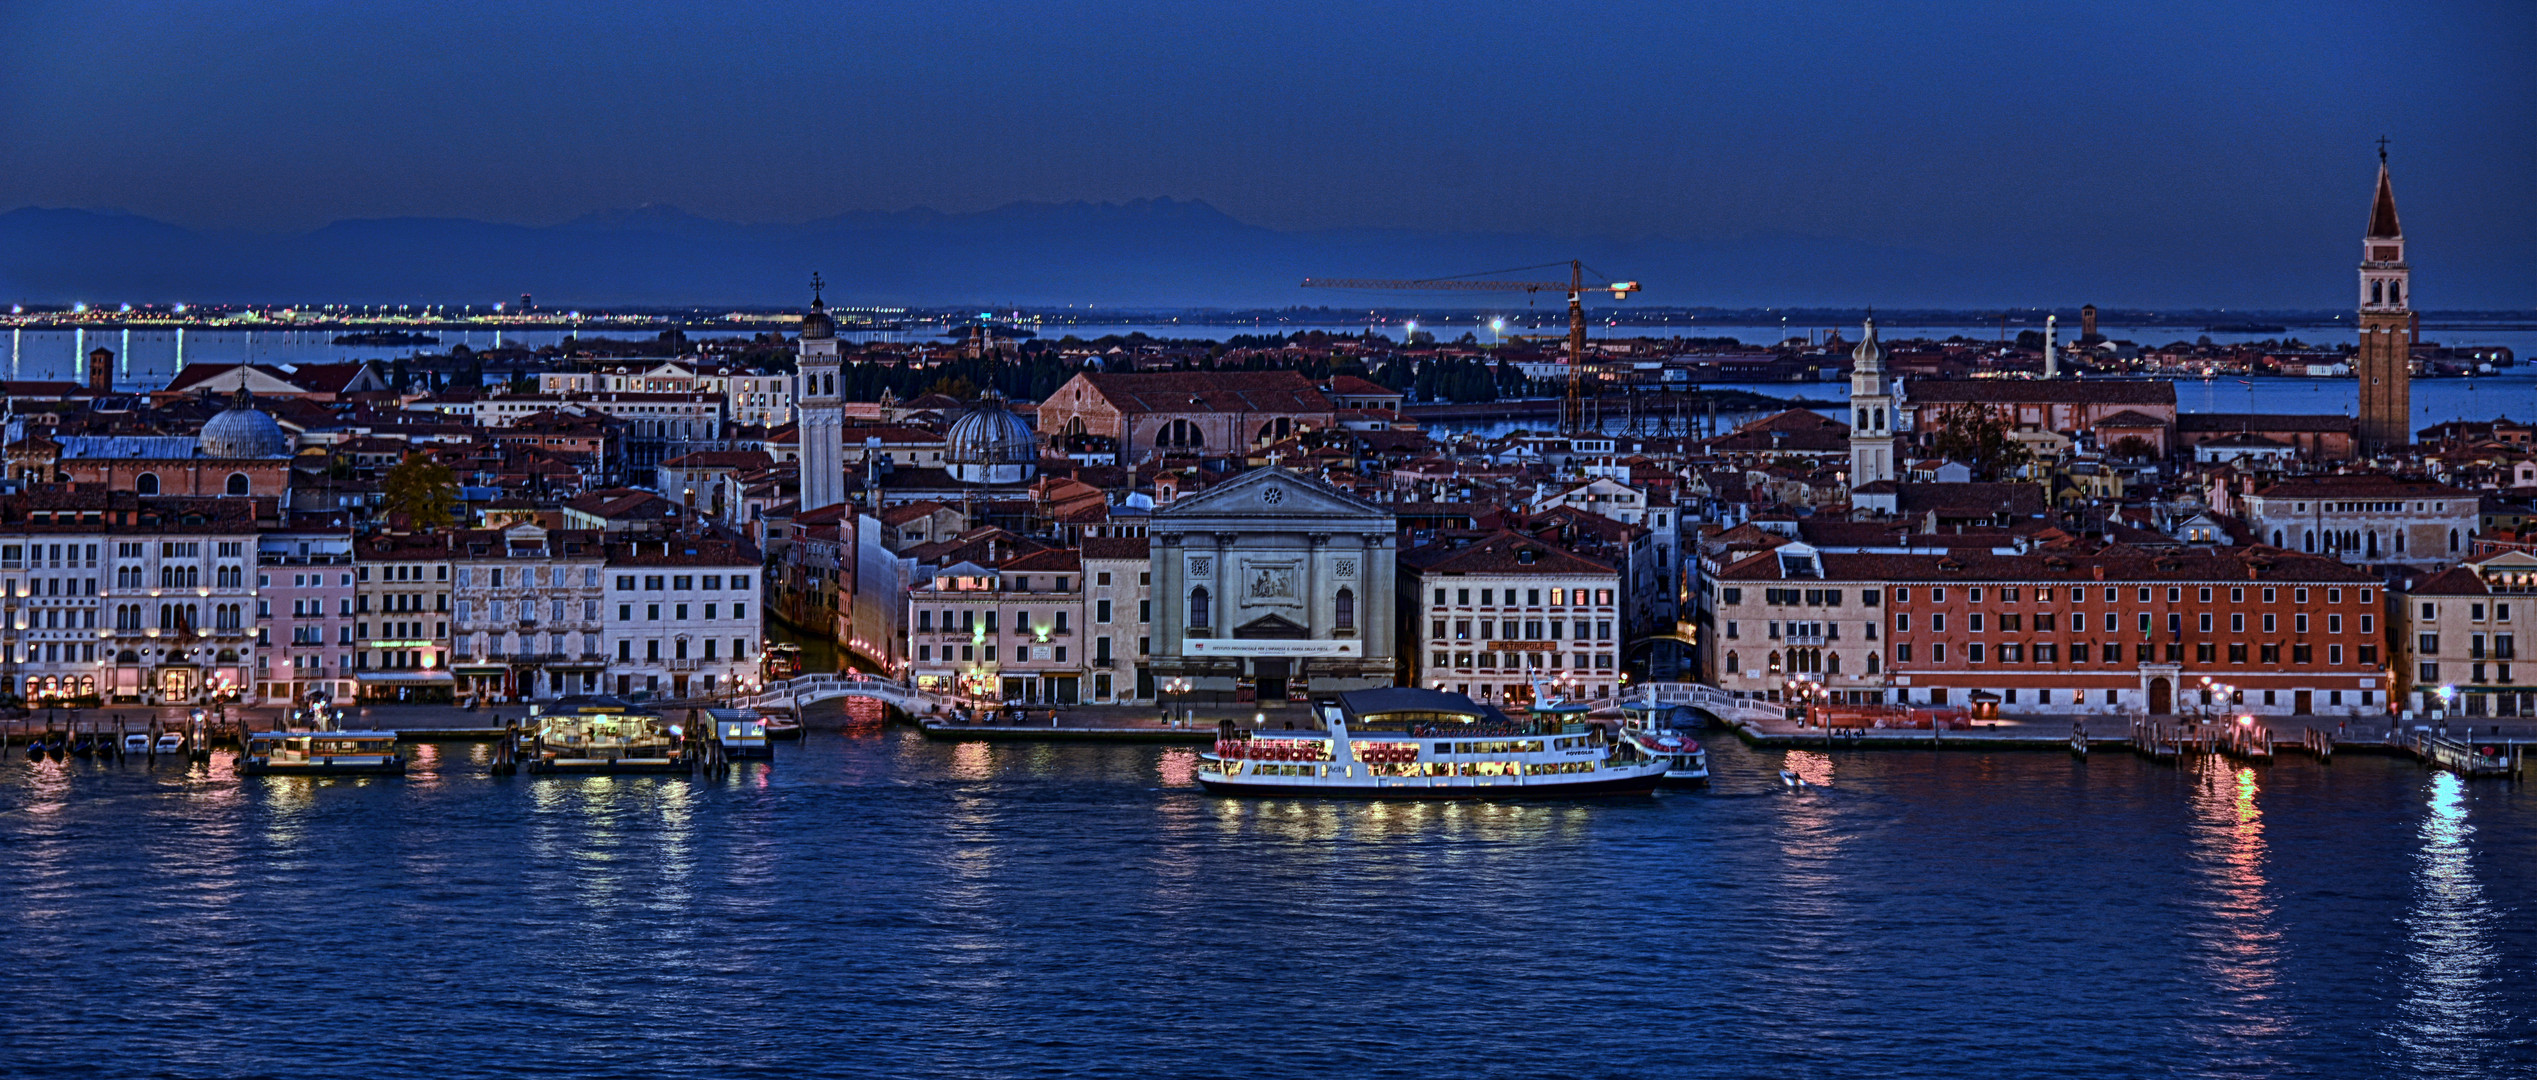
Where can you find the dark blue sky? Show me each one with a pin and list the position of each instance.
(2128, 139)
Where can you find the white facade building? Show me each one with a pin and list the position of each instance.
(1496, 616)
(681, 617)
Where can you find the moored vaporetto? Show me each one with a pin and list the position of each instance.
(1408, 743)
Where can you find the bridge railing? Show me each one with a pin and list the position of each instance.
(804, 689)
(1717, 702)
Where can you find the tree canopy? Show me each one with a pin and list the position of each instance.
(421, 490)
(1977, 435)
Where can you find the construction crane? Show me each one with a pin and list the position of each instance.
(1572, 411)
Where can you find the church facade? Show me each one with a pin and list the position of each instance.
(1272, 587)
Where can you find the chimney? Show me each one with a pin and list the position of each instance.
(101, 371)
(2099, 570)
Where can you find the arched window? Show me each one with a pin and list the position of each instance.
(2308, 541)
(2277, 538)
(1774, 664)
(2453, 540)
(1734, 664)
(1832, 664)
(146, 484)
(2375, 293)
(1181, 434)
(2395, 292)
(1872, 663)
(1198, 607)
(238, 483)
(1346, 608)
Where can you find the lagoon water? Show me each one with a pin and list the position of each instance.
(879, 904)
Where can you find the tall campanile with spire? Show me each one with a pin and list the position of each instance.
(1871, 413)
(2385, 359)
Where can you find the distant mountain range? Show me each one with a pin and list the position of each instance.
(1149, 253)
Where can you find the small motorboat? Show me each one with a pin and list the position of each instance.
(1791, 780)
(1644, 727)
(171, 743)
(136, 744)
(321, 753)
(781, 727)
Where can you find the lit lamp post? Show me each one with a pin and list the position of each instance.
(1801, 692)
(1177, 689)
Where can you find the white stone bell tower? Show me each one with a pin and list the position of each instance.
(1871, 414)
(820, 423)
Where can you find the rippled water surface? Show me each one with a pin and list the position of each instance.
(877, 904)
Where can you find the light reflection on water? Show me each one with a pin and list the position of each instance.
(2236, 926)
(2445, 1023)
(882, 904)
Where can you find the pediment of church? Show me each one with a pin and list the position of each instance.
(1272, 628)
(1267, 495)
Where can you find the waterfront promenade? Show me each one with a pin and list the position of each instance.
(1197, 723)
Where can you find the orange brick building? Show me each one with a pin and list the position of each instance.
(2057, 631)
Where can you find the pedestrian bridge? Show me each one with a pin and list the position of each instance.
(1709, 699)
(804, 690)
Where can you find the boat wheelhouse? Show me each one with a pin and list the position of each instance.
(1408, 743)
(1651, 729)
(780, 660)
(603, 740)
(321, 753)
(742, 733)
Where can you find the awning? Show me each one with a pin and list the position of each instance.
(417, 677)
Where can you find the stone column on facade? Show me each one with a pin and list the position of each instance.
(1166, 591)
(1219, 601)
(1379, 595)
(1318, 609)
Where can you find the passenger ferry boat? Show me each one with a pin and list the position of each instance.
(1643, 726)
(1407, 743)
(602, 740)
(321, 753)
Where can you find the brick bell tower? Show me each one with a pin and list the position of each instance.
(2385, 358)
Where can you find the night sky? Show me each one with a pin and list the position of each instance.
(2128, 138)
